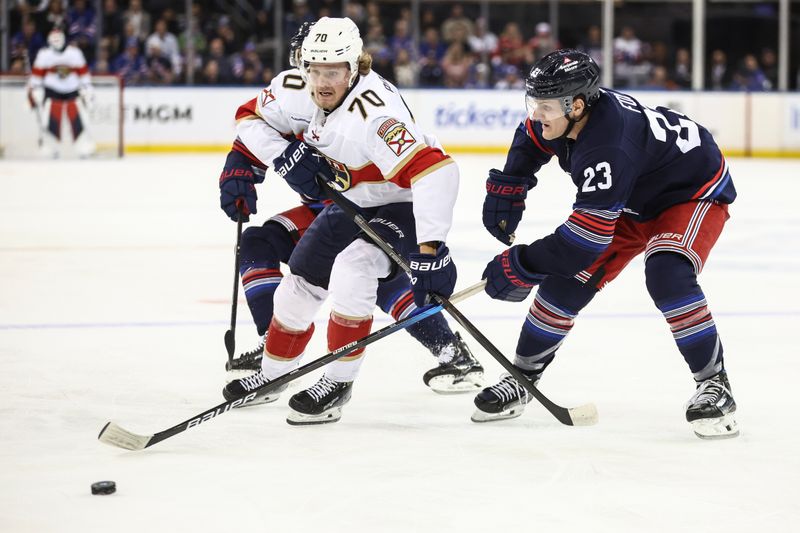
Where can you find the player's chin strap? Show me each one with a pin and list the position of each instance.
(571, 122)
(584, 415)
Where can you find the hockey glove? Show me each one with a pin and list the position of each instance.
(504, 204)
(432, 274)
(237, 187)
(299, 165)
(506, 279)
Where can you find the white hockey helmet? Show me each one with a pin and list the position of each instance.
(56, 39)
(332, 40)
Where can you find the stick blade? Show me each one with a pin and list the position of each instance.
(115, 435)
(230, 343)
(584, 415)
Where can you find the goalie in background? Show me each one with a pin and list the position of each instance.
(60, 77)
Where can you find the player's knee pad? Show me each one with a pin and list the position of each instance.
(354, 278)
(268, 243)
(297, 302)
(670, 276)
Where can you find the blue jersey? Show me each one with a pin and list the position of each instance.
(628, 160)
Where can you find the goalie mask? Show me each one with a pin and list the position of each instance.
(332, 40)
(56, 40)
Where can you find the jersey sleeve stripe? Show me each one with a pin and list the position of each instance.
(240, 147)
(421, 162)
(710, 186)
(535, 139)
(590, 229)
(247, 111)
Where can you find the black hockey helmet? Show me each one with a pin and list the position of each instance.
(296, 42)
(564, 75)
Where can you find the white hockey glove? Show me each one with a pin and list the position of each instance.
(86, 92)
(36, 97)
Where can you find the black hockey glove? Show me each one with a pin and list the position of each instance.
(299, 165)
(506, 279)
(432, 274)
(504, 204)
(237, 186)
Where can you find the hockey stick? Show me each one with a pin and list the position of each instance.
(230, 335)
(584, 415)
(115, 435)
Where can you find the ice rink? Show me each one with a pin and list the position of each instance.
(115, 279)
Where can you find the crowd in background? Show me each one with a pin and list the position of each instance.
(145, 42)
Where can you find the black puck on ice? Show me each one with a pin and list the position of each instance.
(104, 487)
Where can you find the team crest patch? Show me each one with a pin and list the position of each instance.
(385, 127)
(266, 96)
(398, 138)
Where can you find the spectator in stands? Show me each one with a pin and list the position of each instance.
(296, 17)
(719, 77)
(592, 44)
(102, 63)
(82, 28)
(769, 65)
(167, 46)
(130, 64)
(199, 41)
(659, 80)
(25, 44)
(750, 77)
(355, 11)
(401, 40)
(630, 70)
(682, 71)
(210, 75)
(159, 66)
(431, 44)
(457, 27)
(252, 61)
(428, 20)
(56, 16)
(113, 26)
(138, 19)
(223, 70)
(456, 65)
(266, 76)
(483, 42)
(263, 32)
(510, 78)
(510, 48)
(405, 70)
(542, 43)
(430, 70)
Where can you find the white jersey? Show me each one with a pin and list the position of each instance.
(378, 154)
(63, 72)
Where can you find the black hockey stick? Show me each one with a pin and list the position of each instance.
(584, 415)
(115, 435)
(230, 335)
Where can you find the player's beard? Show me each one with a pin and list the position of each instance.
(326, 97)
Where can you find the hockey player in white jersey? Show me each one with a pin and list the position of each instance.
(59, 77)
(334, 117)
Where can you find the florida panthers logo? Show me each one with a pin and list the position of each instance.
(341, 175)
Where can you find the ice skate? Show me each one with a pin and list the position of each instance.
(712, 409)
(458, 370)
(502, 401)
(243, 386)
(320, 404)
(246, 364)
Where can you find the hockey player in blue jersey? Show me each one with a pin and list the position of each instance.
(648, 180)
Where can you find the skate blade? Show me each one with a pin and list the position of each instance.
(512, 412)
(724, 427)
(327, 417)
(450, 384)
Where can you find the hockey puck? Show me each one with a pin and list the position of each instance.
(104, 487)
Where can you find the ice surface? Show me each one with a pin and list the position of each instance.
(115, 281)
